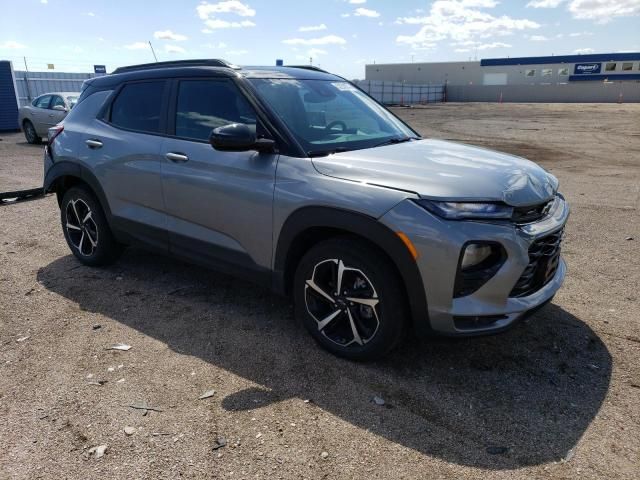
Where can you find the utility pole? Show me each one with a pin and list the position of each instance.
(26, 78)
(310, 60)
(153, 51)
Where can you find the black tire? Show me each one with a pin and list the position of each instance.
(88, 235)
(362, 265)
(30, 133)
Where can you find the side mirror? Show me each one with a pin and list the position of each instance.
(60, 108)
(238, 137)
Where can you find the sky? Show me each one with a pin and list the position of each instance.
(338, 35)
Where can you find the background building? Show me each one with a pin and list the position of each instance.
(609, 77)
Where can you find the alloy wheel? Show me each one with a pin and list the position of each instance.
(81, 227)
(343, 302)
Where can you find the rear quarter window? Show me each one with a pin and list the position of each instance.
(138, 107)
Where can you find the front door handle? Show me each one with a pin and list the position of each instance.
(93, 143)
(177, 157)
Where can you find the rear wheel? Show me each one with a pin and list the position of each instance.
(86, 229)
(30, 133)
(348, 296)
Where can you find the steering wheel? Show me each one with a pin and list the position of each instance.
(336, 123)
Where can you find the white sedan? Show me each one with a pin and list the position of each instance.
(44, 112)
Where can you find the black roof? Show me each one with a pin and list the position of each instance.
(207, 68)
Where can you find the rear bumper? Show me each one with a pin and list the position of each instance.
(491, 308)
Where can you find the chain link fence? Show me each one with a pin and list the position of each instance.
(400, 93)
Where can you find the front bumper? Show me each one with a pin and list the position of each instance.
(439, 243)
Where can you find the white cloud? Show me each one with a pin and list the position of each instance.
(582, 51)
(91, 14)
(173, 49)
(137, 46)
(544, 3)
(44, 1)
(215, 23)
(11, 45)
(488, 46)
(206, 10)
(357, 2)
(326, 40)
(215, 45)
(365, 12)
(169, 35)
(313, 28)
(538, 38)
(345, 15)
(316, 52)
(580, 34)
(460, 20)
(603, 11)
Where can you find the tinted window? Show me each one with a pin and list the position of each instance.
(138, 107)
(42, 102)
(57, 101)
(206, 104)
(610, 67)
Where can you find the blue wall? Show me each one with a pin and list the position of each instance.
(8, 101)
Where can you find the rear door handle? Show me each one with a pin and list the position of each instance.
(177, 157)
(93, 143)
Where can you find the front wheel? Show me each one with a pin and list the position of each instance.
(86, 229)
(349, 298)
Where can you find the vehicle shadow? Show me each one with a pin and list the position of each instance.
(521, 398)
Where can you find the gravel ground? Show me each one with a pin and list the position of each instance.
(556, 397)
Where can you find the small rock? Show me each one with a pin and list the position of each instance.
(120, 381)
(111, 369)
(497, 450)
(258, 435)
(324, 454)
(129, 430)
(570, 454)
(22, 339)
(120, 346)
(98, 451)
(97, 326)
(219, 443)
(629, 238)
(118, 278)
(378, 401)
(207, 394)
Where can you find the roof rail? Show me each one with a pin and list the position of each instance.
(307, 67)
(210, 62)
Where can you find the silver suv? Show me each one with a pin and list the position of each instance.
(313, 189)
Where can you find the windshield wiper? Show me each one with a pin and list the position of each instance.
(394, 140)
(324, 153)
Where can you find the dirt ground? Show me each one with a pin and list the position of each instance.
(556, 397)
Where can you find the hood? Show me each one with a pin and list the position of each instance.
(442, 170)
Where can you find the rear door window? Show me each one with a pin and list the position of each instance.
(42, 102)
(57, 101)
(138, 107)
(203, 105)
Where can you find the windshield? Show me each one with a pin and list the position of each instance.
(327, 116)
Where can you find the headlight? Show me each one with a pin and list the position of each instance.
(468, 210)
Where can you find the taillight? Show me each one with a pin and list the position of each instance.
(54, 132)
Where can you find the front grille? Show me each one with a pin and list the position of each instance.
(532, 213)
(544, 258)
